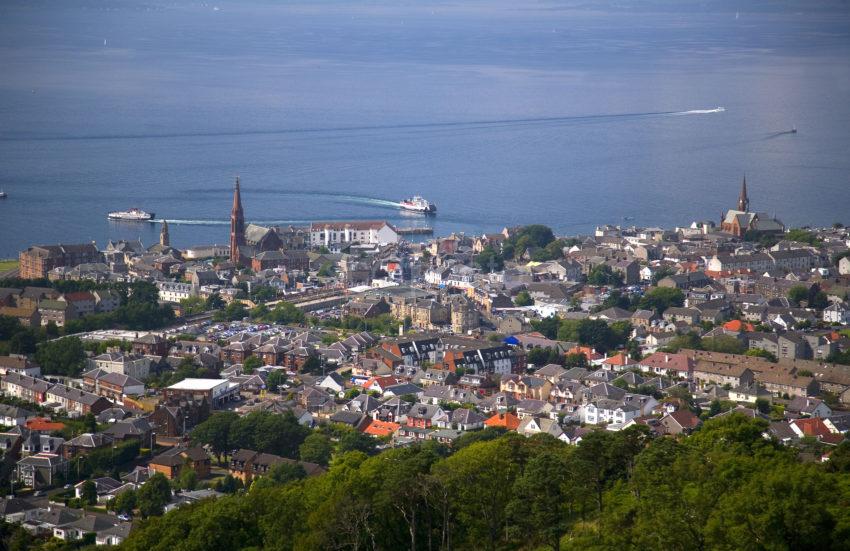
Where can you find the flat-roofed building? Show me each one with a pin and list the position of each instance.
(216, 391)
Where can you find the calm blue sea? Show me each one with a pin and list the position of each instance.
(499, 112)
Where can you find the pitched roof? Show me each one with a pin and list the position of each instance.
(376, 427)
(506, 420)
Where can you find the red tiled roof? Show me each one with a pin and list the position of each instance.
(678, 362)
(588, 352)
(738, 325)
(507, 420)
(813, 426)
(43, 424)
(383, 382)
(618, 359)
(79, 295)
(377, 427)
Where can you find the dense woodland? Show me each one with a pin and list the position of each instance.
(726, 487)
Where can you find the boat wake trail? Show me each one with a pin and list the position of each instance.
(471, 124)
(700, 111)
(326, 195)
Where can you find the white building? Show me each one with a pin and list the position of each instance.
(372, 233)
(174, 291)
(608, 411)
(837, 313)
(206, 251)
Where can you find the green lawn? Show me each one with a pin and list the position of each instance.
(8, 264)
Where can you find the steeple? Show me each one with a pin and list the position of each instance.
(237, 225)
(743, 200)
(164, 240)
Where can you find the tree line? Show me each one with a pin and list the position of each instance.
(726, 487)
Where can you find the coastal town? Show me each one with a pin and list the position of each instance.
(138, 378)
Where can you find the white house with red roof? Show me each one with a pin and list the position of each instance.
(618, 362)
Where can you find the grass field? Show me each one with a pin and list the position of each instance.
(8, 264)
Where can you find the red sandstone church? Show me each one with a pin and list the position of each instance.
(741, 221)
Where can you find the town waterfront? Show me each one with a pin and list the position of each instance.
(500, 113)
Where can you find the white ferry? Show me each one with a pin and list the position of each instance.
(418, 204)
(132, 214)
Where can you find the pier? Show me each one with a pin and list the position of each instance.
(425, 230)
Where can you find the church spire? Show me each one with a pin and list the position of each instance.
(164, 239)
(237, 225)
(743, 200)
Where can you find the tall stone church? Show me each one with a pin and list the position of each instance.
(741, 221)
(247, 241)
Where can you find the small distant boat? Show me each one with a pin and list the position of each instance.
(418, 204)
(628, 218)
(793, 129)
(135, 215)
(2, 194)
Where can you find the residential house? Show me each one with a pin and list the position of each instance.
(172, 462)
(25, 388)
(681, 421)
(808, 407)
(77, 402)
(41, 470)
(249, 464)
(425, 416)
(133, 365)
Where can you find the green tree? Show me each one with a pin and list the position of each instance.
(783, 506)
(661, 298)
(312, 365)
(351, 440)
(523, 299)
(548, 326)
(576, 359)
(267, 432)
(188, 479)
(62, 357)
(543, 356)
(661, 273)
(216, 432)
(595, 333)
(89, 422)
(493, 465)
(287, 472)
(327, 270)
(193, 305)
(488, 260)
(689, 341)
(275, 380)
(88, 493)
(251, 363)
(603, 274)
(802, 236)
(154, 495)
(723, 343)
(234, 311)
(125, 502)
(317, 448)
(797, 294)
(214, 302)
(228, 484)
(543, 498)
(285, 313)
